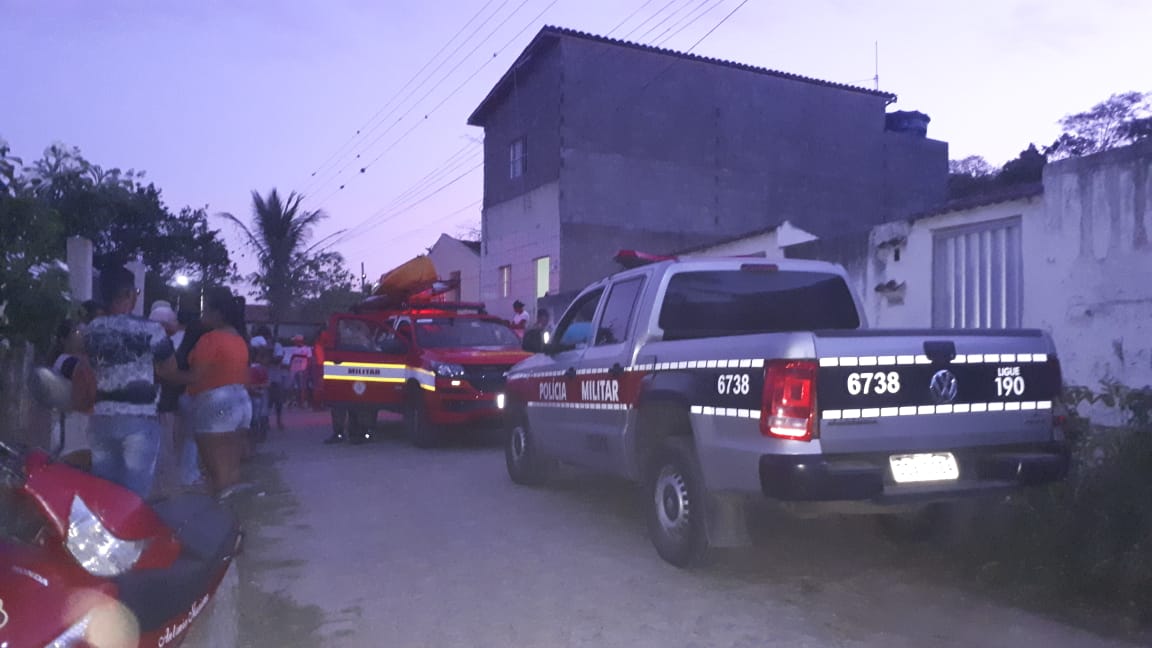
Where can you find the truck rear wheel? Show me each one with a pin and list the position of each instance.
(420, 431)
(675, 501)
(521, 454)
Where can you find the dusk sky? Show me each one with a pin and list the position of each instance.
(216, 98)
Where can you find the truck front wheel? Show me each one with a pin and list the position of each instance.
(421, 432)
(521, 454)
(675, 501)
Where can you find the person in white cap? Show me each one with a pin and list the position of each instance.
(176, 451)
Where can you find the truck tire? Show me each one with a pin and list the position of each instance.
(521, 454)
(676, 502)
(419, 430)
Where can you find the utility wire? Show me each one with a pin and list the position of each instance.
(415, 76)
(364, 148)
(435, 87)
(690, 19)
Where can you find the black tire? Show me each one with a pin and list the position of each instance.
(915, 527)
(419, 430)
(521, 454)
(676, 503)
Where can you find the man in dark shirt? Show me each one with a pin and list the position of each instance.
(126, 353)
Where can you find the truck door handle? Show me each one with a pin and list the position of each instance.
(615, 371)
(571, 373)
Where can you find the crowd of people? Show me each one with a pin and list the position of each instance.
(188, 390)
(189, 387)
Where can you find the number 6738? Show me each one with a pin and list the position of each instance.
(869, 382)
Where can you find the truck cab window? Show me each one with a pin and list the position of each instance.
(619, 311)
(575, 329)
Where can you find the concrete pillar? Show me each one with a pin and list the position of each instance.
(80, 268)
(137, 267)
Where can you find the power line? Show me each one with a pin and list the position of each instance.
(630, 17)
(436, 221)
(718, 25)
(415, 76)
(461, 86)
(649, 18)
(689, 19)
(435, 176)
(383, 217)
(656, 26)
(411, 107)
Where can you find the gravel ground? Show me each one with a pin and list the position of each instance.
(386, 545)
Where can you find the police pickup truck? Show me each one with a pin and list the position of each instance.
(715, 382)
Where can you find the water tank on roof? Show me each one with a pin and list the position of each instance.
(907, 121)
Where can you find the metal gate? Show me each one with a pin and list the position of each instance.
(977, 276)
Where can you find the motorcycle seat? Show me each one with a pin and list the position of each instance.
(201, 524)
(208, 534)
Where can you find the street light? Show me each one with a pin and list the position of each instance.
(182, 281)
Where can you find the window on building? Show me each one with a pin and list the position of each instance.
(543, 276)
(505, 280)
(977, 276)
(616, 320)
(517, 159)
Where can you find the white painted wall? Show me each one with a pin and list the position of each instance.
(1093, 266)
(452, 255)
(1087, 261)
(516, 233)
(913, 308)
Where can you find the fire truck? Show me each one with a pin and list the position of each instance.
(407, 349)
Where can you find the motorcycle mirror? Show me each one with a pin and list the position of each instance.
(50, 389)
(53, 391)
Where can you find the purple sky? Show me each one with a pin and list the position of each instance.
(216, 98)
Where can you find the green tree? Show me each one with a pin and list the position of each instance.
(1119, 120)
(33, 282)
(969, 176)
(290, 270)
(127, 219)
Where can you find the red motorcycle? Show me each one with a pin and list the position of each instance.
(85, 562)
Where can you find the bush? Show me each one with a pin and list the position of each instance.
(1092, 534)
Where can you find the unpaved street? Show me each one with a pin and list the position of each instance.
(386, 545)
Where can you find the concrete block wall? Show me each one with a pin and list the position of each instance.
(516, 233)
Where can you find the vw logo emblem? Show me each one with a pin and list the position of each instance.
(943, 386)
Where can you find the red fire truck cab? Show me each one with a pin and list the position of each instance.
(439, 364)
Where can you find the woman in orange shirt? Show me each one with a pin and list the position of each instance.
(220, 409)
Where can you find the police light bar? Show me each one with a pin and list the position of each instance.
(635, 259)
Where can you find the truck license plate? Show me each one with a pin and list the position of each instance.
(935, 466)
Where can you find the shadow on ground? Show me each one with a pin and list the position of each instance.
(270, 618)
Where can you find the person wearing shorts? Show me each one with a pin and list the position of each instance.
(219, 408)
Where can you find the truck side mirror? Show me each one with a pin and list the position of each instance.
(534, 341)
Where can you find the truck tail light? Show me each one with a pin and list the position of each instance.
(789, 405)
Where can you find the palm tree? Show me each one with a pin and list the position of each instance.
(279, 233)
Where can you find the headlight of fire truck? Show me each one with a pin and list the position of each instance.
(448, 370)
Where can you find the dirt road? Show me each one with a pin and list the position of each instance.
(386, 545)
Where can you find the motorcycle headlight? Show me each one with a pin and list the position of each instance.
(94, 546)
(448, 370)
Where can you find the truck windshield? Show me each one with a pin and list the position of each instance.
(441, 333)
(717, 303)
